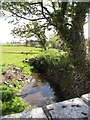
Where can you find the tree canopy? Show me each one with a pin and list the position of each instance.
(67, 18)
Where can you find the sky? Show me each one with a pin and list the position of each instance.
(5, 30)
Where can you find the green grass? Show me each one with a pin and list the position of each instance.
(10, 102)
(15, 54)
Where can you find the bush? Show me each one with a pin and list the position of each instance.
(58, 67)
(10, 102)
(50, 59)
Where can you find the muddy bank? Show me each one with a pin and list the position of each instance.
(14, 73)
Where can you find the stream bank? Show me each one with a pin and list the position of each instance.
(36, 90)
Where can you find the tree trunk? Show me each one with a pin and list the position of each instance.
(78, 48)
(26, 43)
(44, 47)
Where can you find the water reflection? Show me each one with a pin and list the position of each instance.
(39, 92)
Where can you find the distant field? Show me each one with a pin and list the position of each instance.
(15, 54)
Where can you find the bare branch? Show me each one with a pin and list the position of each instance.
(68, 24)
(27, 18)
(43, 11)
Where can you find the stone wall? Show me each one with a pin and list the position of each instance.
(78, 108)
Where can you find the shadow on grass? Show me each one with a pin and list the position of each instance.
(21, 53)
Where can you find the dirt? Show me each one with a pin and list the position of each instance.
(34, 91)
(13, 73)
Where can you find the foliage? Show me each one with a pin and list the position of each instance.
(88, 43)
(50, 58)
(56, 42)
(59, 67)
(10, 102)
(67, 18)
(14, 55)
(29, 30)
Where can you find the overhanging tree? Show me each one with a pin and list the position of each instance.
(66, 17)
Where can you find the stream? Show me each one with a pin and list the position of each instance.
(39, 92)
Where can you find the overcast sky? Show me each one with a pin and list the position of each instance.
(5, 30)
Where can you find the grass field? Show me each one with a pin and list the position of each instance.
(15, 54)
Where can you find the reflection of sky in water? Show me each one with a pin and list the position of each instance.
(39, 95)
(45, 90)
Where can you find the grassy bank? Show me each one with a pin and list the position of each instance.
(59, 67)
(10, 102)
(15, 54)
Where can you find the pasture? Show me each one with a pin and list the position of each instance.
(15, 54)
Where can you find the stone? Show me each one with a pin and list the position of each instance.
(18, 94)
(68, 109)
(37, 113)
(73, 108)
(9, 77)
(10, 86)
(25, 114)
(20, 79)
(18, 69)
(27, 61)
(86, 98)
(23, 75)
(28, 80)
(6, 82)
(23, 82)
(30, 77)
(23, 61)
(4, 72)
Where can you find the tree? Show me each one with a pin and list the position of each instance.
(32, 29)
(67, 18)
(88, 43)
(56, 42)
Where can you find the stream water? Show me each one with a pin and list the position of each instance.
(39, 92)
